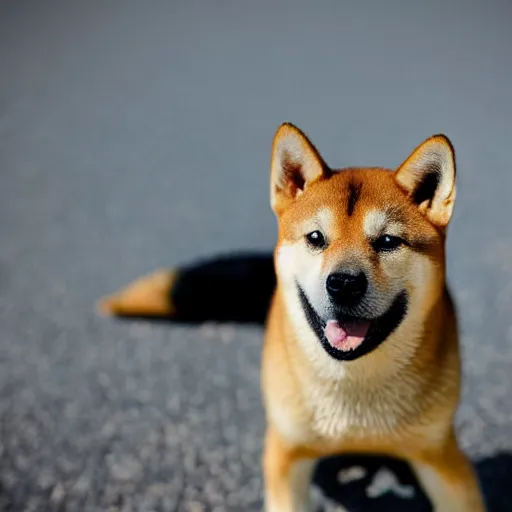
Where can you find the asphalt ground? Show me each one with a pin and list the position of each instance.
(137, 135)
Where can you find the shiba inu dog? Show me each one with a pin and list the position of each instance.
(361, 347)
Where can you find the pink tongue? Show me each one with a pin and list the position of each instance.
(346, 336)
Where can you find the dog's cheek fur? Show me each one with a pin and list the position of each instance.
(423, 279)
(416, 273)
(387, 275)
(394, 269)
(296, 264)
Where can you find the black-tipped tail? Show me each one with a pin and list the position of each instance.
(229, 288)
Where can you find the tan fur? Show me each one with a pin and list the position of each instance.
(399, 399)
(147, 296)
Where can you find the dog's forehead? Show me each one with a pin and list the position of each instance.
(360, 198)
(368, 196)
(354, 186)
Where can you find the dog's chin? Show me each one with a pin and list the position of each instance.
(350, 337)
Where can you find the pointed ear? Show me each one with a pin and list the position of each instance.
(295, 164)
(428, 176)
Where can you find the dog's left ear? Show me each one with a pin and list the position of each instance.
(428, 176)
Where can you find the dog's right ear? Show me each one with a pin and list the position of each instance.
(295, 164)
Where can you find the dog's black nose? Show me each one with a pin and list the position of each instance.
(347, 289)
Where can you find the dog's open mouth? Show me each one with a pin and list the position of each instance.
(349, 338)
(346, 334)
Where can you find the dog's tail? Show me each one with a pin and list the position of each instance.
(227, 288)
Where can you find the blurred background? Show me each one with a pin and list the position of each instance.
(136, 135)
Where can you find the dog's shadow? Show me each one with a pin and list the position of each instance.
(367, 484)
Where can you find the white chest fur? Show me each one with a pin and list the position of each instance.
(333, 411)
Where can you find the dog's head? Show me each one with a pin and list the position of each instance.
(358, 249)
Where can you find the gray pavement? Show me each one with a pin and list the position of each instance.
(135, 135)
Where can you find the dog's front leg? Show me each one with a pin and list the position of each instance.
(287, 475)
(449, 479)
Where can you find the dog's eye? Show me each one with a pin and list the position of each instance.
(316, 240)
(387, 243)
